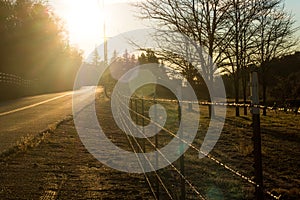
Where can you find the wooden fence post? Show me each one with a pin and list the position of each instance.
(256, 137)
(181, 148)
(143, 123)
(156, 146)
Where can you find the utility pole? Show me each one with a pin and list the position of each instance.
(104, 46)
(105, 38)
(102, 7)
(259, 195)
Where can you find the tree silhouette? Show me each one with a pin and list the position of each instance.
(34, 46)
(234, 34)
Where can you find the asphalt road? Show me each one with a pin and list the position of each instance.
(29, 116)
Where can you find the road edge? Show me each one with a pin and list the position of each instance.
(32, 141)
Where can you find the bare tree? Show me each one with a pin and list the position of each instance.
(233, 33)
(240, 24)
(202, 24)
(275, 38)
(260, 31)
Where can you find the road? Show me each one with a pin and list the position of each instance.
(60, 167)
(29, 116)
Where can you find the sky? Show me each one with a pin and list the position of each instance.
(84, 19)
(294, 7)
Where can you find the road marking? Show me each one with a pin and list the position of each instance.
(34, 105)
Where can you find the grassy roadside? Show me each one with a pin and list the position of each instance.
(280, 150)
(31, 141)
(58, 164)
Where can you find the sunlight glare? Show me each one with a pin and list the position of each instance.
(85, 19)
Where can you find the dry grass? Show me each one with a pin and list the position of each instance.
(244, 148)
(280, 146)
(31, 141)
(61, 168)
(280, 150)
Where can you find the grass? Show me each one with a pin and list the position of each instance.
(280, 150)
(244, 148)
(60, 167)
(31, 141)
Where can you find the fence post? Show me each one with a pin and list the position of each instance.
(132, 125)
(136, 110)
(256, 137)
(181, 149)
(182, 171)
(131, 106)
(136, 120)
(156, 145)
(143, 123)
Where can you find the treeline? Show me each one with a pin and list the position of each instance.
(283, 81)
(118, 65)
(34, 46)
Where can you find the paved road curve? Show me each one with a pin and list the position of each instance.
(32, 115)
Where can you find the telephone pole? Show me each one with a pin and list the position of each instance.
(105, 54)
(104, 36)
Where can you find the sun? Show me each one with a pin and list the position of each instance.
(84, 19)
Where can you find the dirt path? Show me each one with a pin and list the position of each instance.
(61, 168)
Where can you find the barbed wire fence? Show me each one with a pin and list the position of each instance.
(158, 186)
